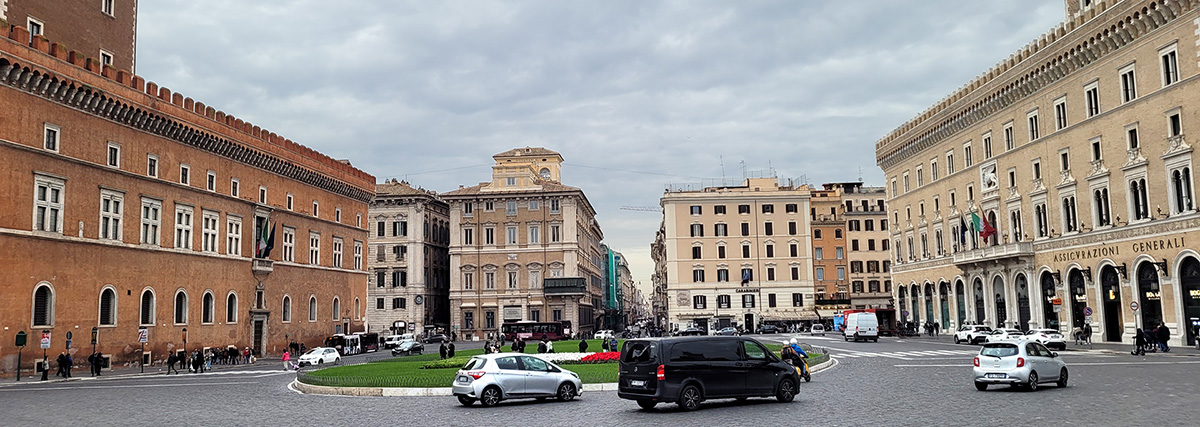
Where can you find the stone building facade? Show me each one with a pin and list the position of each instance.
(738, 255)
(523, 247)
(408, 260)
(135, 208)
(868, 249)
(1075, 150)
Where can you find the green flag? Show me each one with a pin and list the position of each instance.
(976, 223)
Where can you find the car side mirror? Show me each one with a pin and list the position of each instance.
(1054, 354)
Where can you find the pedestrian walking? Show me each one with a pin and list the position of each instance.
(1139, 341)
(936, 327)
(612, 346)
(442, 350)
(61, 361)
(450, 349)
(172, 359)
(1087, 333)
(583, 345)
(603, 344)
(92, 363)
(1164, 335)
(287, 358)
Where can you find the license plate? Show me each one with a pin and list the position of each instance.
(997, 375)
(637, 383)
(462, 379)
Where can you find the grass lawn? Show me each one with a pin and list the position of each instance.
(407, 372)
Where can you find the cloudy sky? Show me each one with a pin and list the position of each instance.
(634, 94)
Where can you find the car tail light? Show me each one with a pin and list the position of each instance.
(976, 362)
(661, 373)
(476, 374)
(1020, 362)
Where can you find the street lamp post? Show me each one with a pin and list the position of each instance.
(45, 362)
(185, 352)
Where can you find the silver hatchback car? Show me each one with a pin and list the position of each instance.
(1019, 363)
(491, 378)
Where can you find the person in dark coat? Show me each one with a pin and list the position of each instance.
(583, 346)
(172, 359)
(1139, 340)
(62, 365)
(442, 350)
(450, 350)
(92, 363)
(1164, 335)
(542, 346)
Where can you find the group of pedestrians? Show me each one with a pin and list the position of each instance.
(1154, 339)
(446, 350)
(932, 328)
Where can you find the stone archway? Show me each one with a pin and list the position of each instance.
(1189, 281)
(1149, 295)
(915, 294)
(1023, 309)
(1049, 315)
(980, 310)
(1001, 301)
(902, 299)
(1110, 288)
(960, 298)
(1078, 292)
(943, 300)
(929, 302)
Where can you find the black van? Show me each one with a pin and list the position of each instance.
(689, 370)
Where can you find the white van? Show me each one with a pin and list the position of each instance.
(395, 340)
(861, 326)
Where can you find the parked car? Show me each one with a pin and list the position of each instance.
(690, 370)
(395, 340)
(1002, 335)
(971, 334)
(691, 332)
(768, 329)
(408, 347)
(491, 378)
(1050, 338)
(817, 329)
(320, 356)
(606, 334)
(1021, 363)
(727, 332)
(864, 326)
(436, 338)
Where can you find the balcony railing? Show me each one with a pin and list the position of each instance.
(262, 266)
(1009, 250)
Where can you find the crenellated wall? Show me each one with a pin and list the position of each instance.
(49, 70)
(1081, 39)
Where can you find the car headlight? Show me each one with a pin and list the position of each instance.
(574, 375)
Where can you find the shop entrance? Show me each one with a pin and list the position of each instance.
(903, 291)
(1078, 297)
(1189, 279)
(1110, 285)
(929, 302)
(1049, 317)
(1149, 295)
(916, 306)
(980, 313)
(1023, 315)
(1001, 306)
(943, 292)
(960, 300)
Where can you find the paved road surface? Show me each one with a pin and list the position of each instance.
(893, 382)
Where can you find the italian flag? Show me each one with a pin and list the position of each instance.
(981, 225)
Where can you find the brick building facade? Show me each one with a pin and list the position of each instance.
(101, 29)
(409, 260)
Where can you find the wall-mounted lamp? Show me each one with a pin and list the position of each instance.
(1087, 272)
(1057, 275)
(1121, 269)
(1162, 268)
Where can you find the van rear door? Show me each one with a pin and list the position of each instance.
(638, 367)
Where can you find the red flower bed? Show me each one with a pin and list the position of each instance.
(605, 357)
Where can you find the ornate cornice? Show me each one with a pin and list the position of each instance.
(1190, 223)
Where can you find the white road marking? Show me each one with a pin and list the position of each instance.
(126, 386)
(1068, 365)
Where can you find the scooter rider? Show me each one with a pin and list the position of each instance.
(792, 353)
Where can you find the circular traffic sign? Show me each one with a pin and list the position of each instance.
(1087, 311)
(1133, 306)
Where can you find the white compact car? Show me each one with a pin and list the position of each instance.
(1002, 335)
(1021, 363)
(817, 329)
(491, 378)
(1050, 338)
(320, 356)
(971, 334)
(605, 334)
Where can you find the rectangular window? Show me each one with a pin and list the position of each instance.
(792, 228)
(510, 208)
(106, 58)
(106, 6)
(489, 236)
(797, 300)
(468, 320)
(1170, 65)
(358, 255)
(489, 280)
(933, 170)
(698, 275)
(554, 207)
(316, 209)
(818, 253)
(1092, 96)
(1128, 84)
(183, 227)
(745, 251)
(1175, 126)
(1060, 116)
(512, 280)
(337, 214)
(719, 209)
(743, 209)
(1032, 119)
(151, 209)
(209, 227)
(114, 155)
(111, 213)
(185, 174)
(233, 235)
(152, 165)
(795, 273)
(721, 252)
(696, 210)
(289, 244)
(555, 233)
(696, 252)
(921, 175)
(841, 252)
(820, 273)
(535, 279)
(262, 195)
(747, 300)
(745, 229)
(1096, 152)
(314, 248)
(722, 274)
(534, 205)
(51, 135)
(697, 230)
(1131, 137)
(721, 230)
(235, 187)
(468, 209)
(791, 208)
(794, 250)
(841, 273)
(699, 302)
(468, 281)
(512, 235)
(770, 251)
(211, 181)
(769, 229)
(468, 236)
(768, 209)
(337, 252)
(535, 234)
(1064, 160)
(379, 303)
(987, 146)
(770, 274)
(949, 163)
(1009, 142)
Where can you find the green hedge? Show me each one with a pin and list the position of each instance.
(453, 362)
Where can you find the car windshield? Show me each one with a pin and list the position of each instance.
(314, 351)
(998, 350)
(475, 363)
(982, 328)
(638, 352)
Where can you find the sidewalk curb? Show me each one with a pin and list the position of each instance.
(445, 391)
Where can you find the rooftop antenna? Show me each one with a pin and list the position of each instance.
(743, 163)
(860, 174)
(722, 159)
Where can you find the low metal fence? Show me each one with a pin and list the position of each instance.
(373, 381)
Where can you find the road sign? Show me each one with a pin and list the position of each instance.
(69, 335)
(1087, 311)
(45, 340)
(143, 335)
(21, 337)
(1133, 306)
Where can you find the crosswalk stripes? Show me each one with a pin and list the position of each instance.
(904, 355)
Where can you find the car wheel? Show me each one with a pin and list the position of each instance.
(787, 391)
(320, 361)
(465, 401)
(1062, 378)
(875, 340)
(490, 396)
(690, 397)
(956, 341)
(566, 392)
(647, 404)
(1033, 381)
(337, 361)
(981, 386)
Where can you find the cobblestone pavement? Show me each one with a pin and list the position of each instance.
(893, 382)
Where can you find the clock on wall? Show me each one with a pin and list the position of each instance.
(545, 173)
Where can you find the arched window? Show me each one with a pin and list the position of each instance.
(147, 313)
(181, 308)
(312, 309)
(43, 305)
(208, 308)
(108, 307)
(337, 307)
(287, 308)
(231, 310)
(356, 308)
